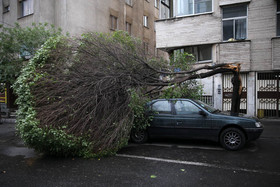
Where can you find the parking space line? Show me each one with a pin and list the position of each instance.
(187, 147)
(200, 147)
(159, 145)
(198, 164)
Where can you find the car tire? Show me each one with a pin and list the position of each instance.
(139, 136)
(232, 139)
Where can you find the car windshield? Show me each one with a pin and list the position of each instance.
(206, 106)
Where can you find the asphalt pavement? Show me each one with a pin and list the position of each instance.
(159, 163)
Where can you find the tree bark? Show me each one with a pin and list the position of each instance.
(237, 90)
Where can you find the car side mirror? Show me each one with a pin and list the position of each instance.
(201, 112)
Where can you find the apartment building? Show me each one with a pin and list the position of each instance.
(226, 31)
(79, 16)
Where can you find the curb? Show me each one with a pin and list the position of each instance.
(270, 119)
(8, 120)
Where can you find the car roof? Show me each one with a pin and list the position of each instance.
(173, 99)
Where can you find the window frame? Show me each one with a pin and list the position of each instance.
(234, 20)
(128, 2)
(278, 17)
(166, 6)
(193, 9)
(146, 21)
(128, 27)
(146, 47)
(22, 4)
(196, 52)
(156, 3)
(113, 23)
(6, 6)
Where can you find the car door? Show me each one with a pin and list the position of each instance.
(189, 122)
(162, 124)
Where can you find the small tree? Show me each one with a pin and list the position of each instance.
(18, 44)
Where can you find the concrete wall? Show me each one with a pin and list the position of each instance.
(261, 28)
(276, 53)
(259, 52)
(230, 2)
(251, 93)
(41, 13)
(80, 16)
(9, 17)
(190, 30)
(254, 54)
(236, 52)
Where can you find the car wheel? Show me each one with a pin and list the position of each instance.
(232, 139)
(139, 136)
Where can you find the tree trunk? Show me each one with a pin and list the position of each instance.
(237, 90)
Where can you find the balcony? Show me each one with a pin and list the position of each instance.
(188, 31)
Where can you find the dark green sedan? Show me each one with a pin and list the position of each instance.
(193, 119)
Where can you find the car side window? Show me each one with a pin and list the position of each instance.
(186, 107)
(162, 107)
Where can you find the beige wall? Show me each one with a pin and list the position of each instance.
(261, 28)
(43, 12)
(276, 53)
(236, 52)
(187, 31)
(79, 16)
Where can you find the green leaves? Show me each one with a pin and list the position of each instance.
(138, 106)
(189, 89)
(181, 61)
(18, 44)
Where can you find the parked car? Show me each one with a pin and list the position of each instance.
(193, 119)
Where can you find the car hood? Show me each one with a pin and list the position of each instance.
(240, 115)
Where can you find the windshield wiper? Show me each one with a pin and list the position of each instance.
(216, 111)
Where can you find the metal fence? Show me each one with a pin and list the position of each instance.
(228, 90)
(268, 95)
(208, 99)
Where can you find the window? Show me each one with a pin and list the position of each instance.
(278, 18)
(189, 7)
(145, 21)
(128, 2)
(165, 9)
(114, 22)
(146, 47)
(156, 3)
(162, 107)
(202, 53)
(6, 6)
(26, 7)
(185, 107)
(235, 22)
(128, 27)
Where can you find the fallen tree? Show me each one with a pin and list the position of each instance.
(76, 96)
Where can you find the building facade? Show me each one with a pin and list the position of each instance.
(229, 31)
(75, 17)
(79, 16)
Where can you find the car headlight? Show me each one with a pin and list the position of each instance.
(258, 124)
